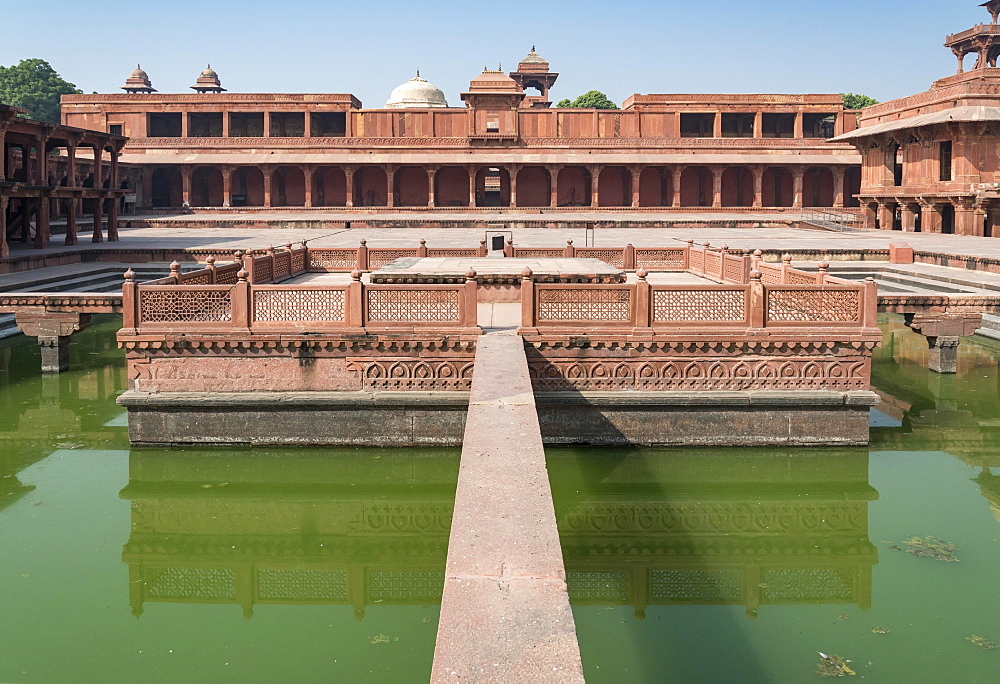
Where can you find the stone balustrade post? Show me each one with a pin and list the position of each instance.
(240, 298)
(470, 302)
(354, 307)
(130, 302)
(758, 300)
(628, 259)
(363, 256)
(869, 306)
(643, 297)
(569, 251)
(210, 265)
(483, 249)
(527, 299)
(508, 248)
(422, 249)
(823, 273)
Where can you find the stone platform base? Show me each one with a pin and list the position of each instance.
(395, 419)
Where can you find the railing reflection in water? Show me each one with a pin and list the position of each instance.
(751, 527)
(302, 527)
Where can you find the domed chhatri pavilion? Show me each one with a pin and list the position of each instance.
(415, 94)
(505, 146)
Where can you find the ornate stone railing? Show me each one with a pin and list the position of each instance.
(663, 309)
(250, 308)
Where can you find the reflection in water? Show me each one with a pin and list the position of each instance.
(300, 527)
(957, 414)
(728, 527)
(42, 412)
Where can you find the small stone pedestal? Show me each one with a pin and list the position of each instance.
(53, 330)
(944, 332)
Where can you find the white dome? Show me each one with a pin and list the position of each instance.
(416, 93)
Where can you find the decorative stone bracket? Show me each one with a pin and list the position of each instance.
(943, 332)
(53, 330)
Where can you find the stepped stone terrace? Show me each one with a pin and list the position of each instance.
(686, 344)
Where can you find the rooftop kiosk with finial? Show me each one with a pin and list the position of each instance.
(984, 40)
(533, 72)
(208, 82)
(138, 82)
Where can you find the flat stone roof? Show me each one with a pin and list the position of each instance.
(495, 269)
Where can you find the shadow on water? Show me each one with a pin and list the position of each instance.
(664, 530)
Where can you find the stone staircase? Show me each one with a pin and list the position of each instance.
(75, 278)
(926, 279)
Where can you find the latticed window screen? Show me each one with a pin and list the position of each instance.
(414, 305)
(813, 305)
(298, 305)
(699, 305)
(584, 305)
(182, 304)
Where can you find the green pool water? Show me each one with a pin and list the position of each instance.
(218, 565)
(695, 565)
(686, 565)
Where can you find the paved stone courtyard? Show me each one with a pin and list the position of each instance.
(229, 239)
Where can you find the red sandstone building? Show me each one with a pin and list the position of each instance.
(930, 161)
(506, 147)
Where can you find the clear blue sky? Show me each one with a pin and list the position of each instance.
(884, 48)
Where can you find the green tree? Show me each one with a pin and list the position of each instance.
(34, 85)
(592, 99)
(857, 101)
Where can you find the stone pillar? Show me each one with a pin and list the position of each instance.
(886, 215)
(71, 179)
(267, 124)
(3, 151)
(717, 172)
(53, 330)
(266, 170)
(113, 219)
(758, 185)
(185, 125)
(42, 226)
(907, 217)
(349, 186)
(98, 235)
(838, 188)
(71, 222)
(798, 128)
(675, 185)
(965, 220)
(798, 180)
(431, 174)
(471, 170)
(307, 176)
(636, 174)
(43, 160)
(717, 125)
(513, 184)
(227, 184)
(554, 185)
(4, 249)
(943, 332)
(758, 124)
(390, 190)
(186, 173)
(98, 171)
(595, 183)
(225, 124)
